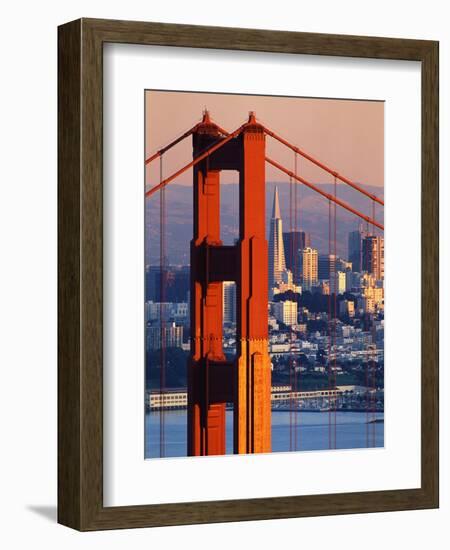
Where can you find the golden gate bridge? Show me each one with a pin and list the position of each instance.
(214, 380)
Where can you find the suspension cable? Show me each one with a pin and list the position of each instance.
(373, 348)
(195, 161)
(162, 327)
(294, 270)
(161, 151)
(336, 282)
(291, 258)
(323, 166)
(329, 324)
(329, 196)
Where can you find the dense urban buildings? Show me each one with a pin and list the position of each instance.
(329, 320)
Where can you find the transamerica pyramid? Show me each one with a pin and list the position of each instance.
(277, 262)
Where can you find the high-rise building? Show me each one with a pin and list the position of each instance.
(355, 239)
(326, 266)
(229, 301)
(277, 262)
(340, 282)
(170, 335)
(285, 312)
(373, 256)
(351, 281)
(309, 265)
(294, 242)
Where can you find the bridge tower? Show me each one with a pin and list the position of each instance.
(212, 380)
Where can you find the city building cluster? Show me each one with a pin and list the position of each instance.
(325, 312)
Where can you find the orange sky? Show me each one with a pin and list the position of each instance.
(346, 135)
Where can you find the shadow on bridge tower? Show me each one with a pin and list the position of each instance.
(212, 380)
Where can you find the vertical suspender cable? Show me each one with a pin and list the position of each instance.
(373, 354)
(296, 402)
(210, 344)
(335, 309)
(291, 258)
(209, 336)
(162, 327)
(367, 400)
(329, 322)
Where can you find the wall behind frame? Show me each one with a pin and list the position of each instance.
(28, 278)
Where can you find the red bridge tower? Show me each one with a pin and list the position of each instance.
(212, 380)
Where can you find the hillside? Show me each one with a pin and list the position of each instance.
(312, 217)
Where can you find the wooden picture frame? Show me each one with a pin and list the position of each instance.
(80, 271)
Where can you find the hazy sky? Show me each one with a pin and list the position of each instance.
(346, 135)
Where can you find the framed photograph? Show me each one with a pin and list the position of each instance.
(248, 274)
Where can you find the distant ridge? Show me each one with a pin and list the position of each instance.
(312, 216)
